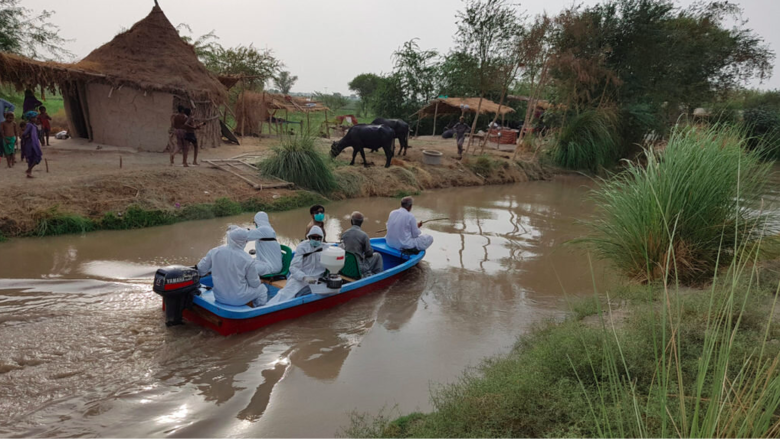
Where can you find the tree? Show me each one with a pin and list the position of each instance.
(206, 46)
(335, 101)
(256, 66)
(488, 31)
(284, 81)
(390, 99)
(365, 84)
(27, 34)
(417, 70)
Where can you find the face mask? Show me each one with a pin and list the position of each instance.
(319, 217)
(314, 243)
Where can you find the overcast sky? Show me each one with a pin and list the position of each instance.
(324, 43)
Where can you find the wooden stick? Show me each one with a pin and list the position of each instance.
(426, 221)
(47, 165)
(435, 113)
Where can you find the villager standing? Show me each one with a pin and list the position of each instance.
(403, 230)
(11, 133)
(189, 134)
(30, 102)
(178, 121)
(44, 119)
(461, 129)
(356, 241)
(31, 145)
(6, 107)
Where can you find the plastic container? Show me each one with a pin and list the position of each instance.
(332, 258)
(432, 157)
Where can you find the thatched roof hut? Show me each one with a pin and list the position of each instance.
(252, 109)
(461, 105)
(124, 92)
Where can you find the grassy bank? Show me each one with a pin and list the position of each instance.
(643, 361)
(54, 222)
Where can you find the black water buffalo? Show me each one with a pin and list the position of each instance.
(362, 136)
(401, 130)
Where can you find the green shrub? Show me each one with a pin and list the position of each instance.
(53, 222)
(588, 141)
(226, 207)
(297, 160)
(111, 221)
(138, 218)
(483, 165)
(197, 212)
(706, 188)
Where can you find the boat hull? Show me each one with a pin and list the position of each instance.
(227, 326)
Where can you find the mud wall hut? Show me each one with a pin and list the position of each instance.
(124, 92)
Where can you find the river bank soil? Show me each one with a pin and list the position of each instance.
(89, 180)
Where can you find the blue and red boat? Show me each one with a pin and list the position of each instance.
(199, 306)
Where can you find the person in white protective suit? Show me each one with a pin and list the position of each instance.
(403, 230)
(236, 281)
(305, 268)
(268, 256)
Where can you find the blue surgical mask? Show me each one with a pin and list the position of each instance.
(314, 243)
(319, 217)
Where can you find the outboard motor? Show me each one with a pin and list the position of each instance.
(177, 285)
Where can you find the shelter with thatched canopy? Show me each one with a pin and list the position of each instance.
(460, 106)
(252, 109)
(124, 92)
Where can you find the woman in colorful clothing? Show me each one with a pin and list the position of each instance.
(31, 144)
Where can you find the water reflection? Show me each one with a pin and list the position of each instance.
(84, 334)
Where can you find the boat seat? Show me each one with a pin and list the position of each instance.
(287, 255)
(351, 269)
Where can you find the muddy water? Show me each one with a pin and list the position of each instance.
(84, 351)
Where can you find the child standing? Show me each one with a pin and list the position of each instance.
(10, 132)
(44, 118)
(31, 145)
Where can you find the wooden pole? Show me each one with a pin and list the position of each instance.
(47, 165)
(474, 124)
(435, 113)
(417, 128)
(327, 125)
(308, 123)
(243, 108)
(120, 162)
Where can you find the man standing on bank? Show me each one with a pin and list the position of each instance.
(356, 241)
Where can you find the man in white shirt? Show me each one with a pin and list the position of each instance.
(403, 230)
(236, 281)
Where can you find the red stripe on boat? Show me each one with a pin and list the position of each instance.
(178, 285)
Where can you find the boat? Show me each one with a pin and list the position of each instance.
(226, 319)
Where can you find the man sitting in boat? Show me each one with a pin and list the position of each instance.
(355, 240)
(403, 230)
(305, 268)
(268, 256)
(234, 272)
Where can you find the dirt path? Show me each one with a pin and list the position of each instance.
(86, 179)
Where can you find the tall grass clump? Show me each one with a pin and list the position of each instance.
(588, 141)
(297, 160)
(693, 364)
(703, 190)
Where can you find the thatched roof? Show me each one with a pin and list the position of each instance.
(150, 56)
(458, 105)
(541, 103)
